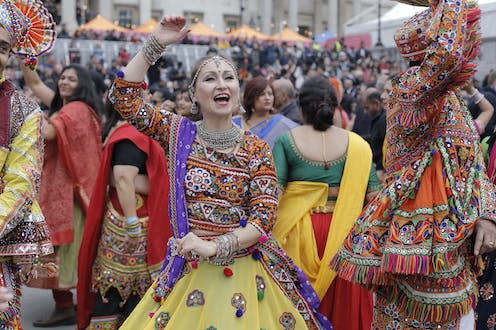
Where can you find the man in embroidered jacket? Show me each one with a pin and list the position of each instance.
(23, 232)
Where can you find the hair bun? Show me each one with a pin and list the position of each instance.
(323, 116)
(323, 106)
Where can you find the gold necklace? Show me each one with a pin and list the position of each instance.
(326, 164)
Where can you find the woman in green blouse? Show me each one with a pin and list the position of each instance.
(327, 174)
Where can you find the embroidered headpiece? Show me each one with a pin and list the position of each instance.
(419, 32)
(30, 26)
(411, 37)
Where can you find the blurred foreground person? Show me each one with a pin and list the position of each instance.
(23, 232)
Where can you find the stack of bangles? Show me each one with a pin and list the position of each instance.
(477, 97)
(133, 226)
(227, 245)
(152, 50)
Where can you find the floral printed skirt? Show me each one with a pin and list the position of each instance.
(241, 296)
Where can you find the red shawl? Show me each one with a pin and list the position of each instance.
(159, 229)
(71, 163)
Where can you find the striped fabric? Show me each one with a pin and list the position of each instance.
(424, 3)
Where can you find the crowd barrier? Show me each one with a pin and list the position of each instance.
(67, 51)
(79, 51)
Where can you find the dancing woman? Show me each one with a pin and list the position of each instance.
(223, 269)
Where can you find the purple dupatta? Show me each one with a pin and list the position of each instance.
(182, 135)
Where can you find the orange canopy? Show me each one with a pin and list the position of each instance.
(201, 30)
(146, 27)
(244, 31)
(289, 35)
(100, 23)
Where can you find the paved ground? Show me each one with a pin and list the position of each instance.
(37, 304)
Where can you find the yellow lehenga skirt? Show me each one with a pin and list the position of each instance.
(208, 298)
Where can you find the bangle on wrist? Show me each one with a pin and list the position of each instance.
(132, 219)
(133, 226)
(477, 97)
(152, 50)
(226, 246)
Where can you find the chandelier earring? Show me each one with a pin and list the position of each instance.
(194, 108)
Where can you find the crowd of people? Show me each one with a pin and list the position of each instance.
(284, 187)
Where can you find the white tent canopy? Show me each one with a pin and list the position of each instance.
(392, 19)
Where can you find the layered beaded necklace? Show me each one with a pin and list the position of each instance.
(220, 140)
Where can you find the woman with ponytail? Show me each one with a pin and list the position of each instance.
(327, 174)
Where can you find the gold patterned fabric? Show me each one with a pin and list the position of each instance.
(23, 232)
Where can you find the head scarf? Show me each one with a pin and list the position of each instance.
(421, 31)
(411, 38)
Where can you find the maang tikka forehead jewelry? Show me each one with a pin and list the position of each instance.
(214, 59)
(191, 87)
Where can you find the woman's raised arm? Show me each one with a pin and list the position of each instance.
(42, 91)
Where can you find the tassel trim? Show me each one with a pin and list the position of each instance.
(380, 271)
(399, 264)
(422, 310)
(366, 272)
(420, 264)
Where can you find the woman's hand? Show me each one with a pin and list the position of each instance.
(5, 297)
(170, 30)
(48, 130)
(485, 237)
(196, 245)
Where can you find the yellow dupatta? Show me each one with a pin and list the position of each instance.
(293, 228)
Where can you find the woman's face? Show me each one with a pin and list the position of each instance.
(183, 104)
(68, 83)
(217, 89)
(265, 101)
